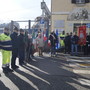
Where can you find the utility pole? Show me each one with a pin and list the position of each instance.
(11, 26)
(29, 25)
(42, 20)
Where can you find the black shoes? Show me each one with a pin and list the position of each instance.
(23, 63)
(15, 67)
(7, 70)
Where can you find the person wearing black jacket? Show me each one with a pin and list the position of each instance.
(87, 45)
(30, 49)
(21, 47)
(67, 41)
(53, 39)
(88, 40)
(74, 44)
(14, 39)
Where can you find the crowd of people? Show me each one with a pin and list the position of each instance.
(69, 43)
(20, 44)
(73, 46)
(17, 44)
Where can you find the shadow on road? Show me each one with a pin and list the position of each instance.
(20, 83)
(46, 74)
(3, 87)
(58, 76)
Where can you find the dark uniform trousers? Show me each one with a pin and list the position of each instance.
(14, 56)
(21, 56)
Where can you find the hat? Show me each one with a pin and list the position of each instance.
(6, 28)
(21, 30)
(15, 28)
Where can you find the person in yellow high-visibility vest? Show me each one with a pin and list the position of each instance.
(6, 47)
(62, 37)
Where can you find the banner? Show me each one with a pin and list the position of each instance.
(58, 43)
(82, 35)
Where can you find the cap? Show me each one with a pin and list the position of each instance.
(21, 30)
(6, 28)
(15, 28)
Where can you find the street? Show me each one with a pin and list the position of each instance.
(46, 73)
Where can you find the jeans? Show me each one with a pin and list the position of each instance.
(74, 49)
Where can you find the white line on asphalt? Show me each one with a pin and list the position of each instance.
(8, 83)
(75, 57)
(26, 80)
(73, 64)
(81, 71)
(84, 82)
(74, 60)
(32, 74)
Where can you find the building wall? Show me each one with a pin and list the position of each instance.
(61, 10)
(64, 5)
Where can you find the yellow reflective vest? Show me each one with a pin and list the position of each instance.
(5, 39)
(62, 40)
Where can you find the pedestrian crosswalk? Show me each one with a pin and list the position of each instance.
(81, 65)
(80, 71)
(43, 72)
(84, 81)
(8, 83)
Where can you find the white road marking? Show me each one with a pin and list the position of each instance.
(8, 83)
(26, 80)
(81, 71)
(73, 64)
(84, 82)
(74, 60)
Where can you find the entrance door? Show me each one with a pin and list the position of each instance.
(76, 25)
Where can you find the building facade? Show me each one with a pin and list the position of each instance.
(67, 15)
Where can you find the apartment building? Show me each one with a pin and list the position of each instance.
(67, 15)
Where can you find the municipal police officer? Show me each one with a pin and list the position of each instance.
(14, 39)
(21, 47)
(5, 45)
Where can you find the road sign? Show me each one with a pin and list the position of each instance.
(42, 21)
(88, 25)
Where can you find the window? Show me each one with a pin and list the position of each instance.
(87, 1)
(80, 1)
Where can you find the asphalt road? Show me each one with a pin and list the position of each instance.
(44, 73)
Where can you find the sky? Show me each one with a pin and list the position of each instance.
(20, 9)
